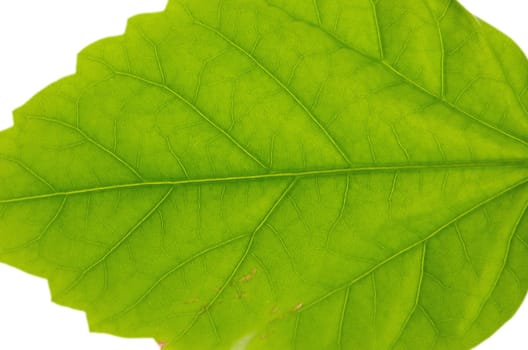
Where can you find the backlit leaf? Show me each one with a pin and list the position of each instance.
(280, 174)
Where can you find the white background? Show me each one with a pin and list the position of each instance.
(39, 41)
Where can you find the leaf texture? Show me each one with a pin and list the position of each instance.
(273, 174)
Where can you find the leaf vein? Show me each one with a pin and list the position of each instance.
(119, 243)
(29, 170)
(416, 244)
(92, 141)
(297, 100)
(309, 173)
(502, 267)
(406, 79)
(243, 258)
(342, 319)
(196, 110)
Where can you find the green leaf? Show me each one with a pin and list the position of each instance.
(280, 174)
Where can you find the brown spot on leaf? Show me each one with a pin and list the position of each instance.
(249, 276)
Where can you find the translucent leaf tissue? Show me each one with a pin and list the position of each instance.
(280, 174)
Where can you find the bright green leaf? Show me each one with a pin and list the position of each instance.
(310, 174)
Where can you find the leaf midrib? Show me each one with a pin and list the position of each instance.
(520, 163)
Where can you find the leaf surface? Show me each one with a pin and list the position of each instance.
(273, 174)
